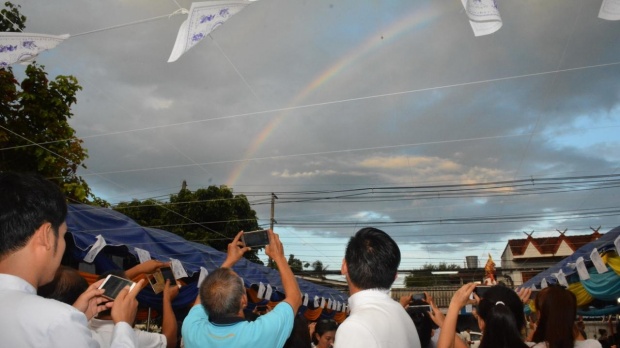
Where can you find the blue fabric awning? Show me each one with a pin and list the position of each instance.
(605, 243)
(86, 222)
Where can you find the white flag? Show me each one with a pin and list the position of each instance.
(610, 10)
(24, 47)
(143, 255)
(261, 290)
(95, 249)
(581, 269)
(483, 16)
(203, 274)
(597, 260)
(177, 269)
(203, 18)
(561, 278)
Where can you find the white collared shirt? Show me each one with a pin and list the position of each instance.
(376, 321)
(29, 320)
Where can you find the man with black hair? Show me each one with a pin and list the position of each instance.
(370, 265)
(217, 319)
(32, 242)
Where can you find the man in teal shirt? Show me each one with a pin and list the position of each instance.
(217, 318)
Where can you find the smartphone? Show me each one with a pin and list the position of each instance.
(113, 286)
(481, 289)
(533, 294)
(168, 275)
(421, 308)
(419, 297)
(258, 238)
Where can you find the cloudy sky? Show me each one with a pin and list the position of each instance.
(350, 110)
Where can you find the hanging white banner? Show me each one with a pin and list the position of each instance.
(24, 47)
(610, 10)
(203, 18)
(483, 15)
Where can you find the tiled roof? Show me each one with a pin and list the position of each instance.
(550, 245)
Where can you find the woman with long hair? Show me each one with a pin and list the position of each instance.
(557, 309)
(500, 317)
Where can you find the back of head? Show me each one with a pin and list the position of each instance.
(28, 201)
(557, 308)
(502, 312)
(300, 335)
(372, 259)
(422, 321)
(66, 286)
(221, 293)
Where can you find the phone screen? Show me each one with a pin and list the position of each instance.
(256, 238)
(419, 297)
(421, 308)
(481, 289)
(113, 286)
(167, 273)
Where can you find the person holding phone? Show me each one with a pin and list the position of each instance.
(103, 324)
(32, 242)
(217, 318)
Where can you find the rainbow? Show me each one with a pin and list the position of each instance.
(414, 20)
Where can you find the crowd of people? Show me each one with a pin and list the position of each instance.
(48, 305)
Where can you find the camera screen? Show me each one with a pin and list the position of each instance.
(256, 238)
(167, 273)
(113, 286)
(420, 308)
(481, 289)
(419, 297)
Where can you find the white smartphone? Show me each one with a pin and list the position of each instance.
(113, 286)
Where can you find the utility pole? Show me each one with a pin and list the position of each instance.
(273, 207)
(272, 220)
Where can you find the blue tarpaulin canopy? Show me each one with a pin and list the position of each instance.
(603, 244)
(86, 222)
(602, 289)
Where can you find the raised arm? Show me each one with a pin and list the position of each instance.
(275, 250)
(234, 253)
(147, 267)
(169, 321)
(447, 337)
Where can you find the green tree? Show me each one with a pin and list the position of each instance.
(35, 134)
(425, 277)
(211, 216)
(295, 264)
(319, 269)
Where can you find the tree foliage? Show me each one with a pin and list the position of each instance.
(295, 264)
(35, 134)
(425, 279)
(211, 216)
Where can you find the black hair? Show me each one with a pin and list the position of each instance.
(372, 259)
(422, 321)
(221, 293)
(322, 326)
(300, 335)
(502, 312)
(66, 286)
(28, 201)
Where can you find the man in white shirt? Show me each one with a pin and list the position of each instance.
(377, 321)
(32, 242)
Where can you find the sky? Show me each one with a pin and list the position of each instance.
(332, 104)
